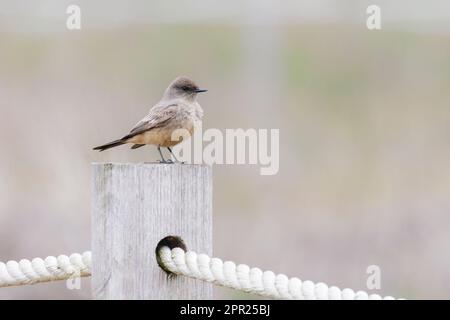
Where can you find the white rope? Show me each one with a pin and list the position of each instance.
(189, 264)
(253, 280)
(24, 272)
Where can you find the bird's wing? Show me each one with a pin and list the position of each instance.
(158, 116)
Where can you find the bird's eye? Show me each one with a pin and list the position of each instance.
(186, 88)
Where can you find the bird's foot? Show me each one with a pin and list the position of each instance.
(169, 161)
(177, 161)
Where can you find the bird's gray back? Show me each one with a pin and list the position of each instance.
(169, 113)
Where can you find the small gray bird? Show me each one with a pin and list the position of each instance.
(178, 109)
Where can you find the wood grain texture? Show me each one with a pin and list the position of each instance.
(134, 206)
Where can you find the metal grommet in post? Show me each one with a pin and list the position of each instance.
(170, 242)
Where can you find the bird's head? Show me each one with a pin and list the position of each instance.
(183, 87)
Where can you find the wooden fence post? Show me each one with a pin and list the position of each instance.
(134, 206)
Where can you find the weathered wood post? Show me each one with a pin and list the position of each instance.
(134, 206)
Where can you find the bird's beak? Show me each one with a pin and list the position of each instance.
(200, 90)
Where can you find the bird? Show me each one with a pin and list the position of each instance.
(177, 109)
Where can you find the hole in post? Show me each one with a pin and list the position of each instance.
(171, 242)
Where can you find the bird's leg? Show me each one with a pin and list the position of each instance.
(160, 153)
(176, 160)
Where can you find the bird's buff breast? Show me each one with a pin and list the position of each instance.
(161, 136)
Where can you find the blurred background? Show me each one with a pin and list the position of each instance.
(364, 121)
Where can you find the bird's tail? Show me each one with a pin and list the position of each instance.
(110, 145)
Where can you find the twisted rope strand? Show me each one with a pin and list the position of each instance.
(190, 264)
(253, 280)
(24, 272)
